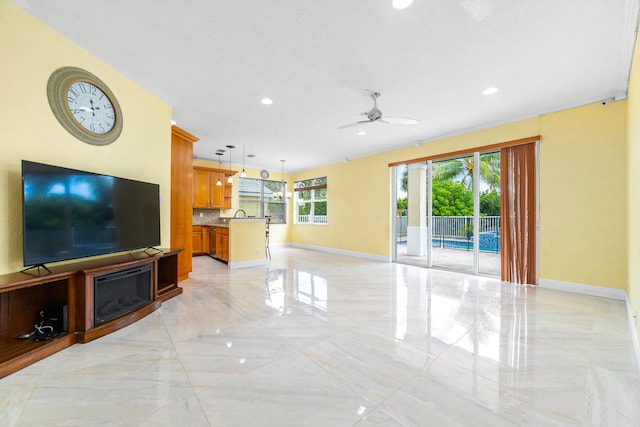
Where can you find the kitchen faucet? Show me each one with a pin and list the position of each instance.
(238, 211)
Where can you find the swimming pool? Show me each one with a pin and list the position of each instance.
(489, 242)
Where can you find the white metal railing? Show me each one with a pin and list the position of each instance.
(454, 227)
(457, 227)
(312, 219)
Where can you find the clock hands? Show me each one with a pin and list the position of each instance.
(93, 109)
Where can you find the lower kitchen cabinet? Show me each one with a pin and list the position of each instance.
(200, 236)
(212, 241)
(222, 243)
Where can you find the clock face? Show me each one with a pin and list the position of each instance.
(264, 174)
(91, 107)
(84, 105)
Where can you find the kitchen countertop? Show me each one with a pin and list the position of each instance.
(226, 224)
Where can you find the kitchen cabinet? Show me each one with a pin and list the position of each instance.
(200, 237)
(182, 196)
(222, 244)
(206, 194)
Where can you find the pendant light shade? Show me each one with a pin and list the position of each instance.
(230, 179)
(219, 154)
(282, 188)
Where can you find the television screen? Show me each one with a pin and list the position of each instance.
(70, 214)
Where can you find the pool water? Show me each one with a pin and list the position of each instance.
(492, 245)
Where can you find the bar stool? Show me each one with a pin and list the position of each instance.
(267, 251)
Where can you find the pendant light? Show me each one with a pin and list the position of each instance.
(230, 179)
(243, 174)
(282, 180)
(219, 154)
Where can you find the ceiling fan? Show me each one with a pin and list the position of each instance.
(375, 115)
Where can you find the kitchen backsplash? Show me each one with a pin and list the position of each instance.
(205, 216)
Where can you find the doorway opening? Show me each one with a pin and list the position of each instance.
(448, 213)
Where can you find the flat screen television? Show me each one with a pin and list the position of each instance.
(70, 214)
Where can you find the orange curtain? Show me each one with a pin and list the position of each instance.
(518, 212)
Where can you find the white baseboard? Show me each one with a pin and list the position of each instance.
(342, 252)
(634, 331)
(579, 288)
(245, 264)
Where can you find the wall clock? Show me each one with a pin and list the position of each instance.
(84, 106)
(264, 174)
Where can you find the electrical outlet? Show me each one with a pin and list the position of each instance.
(257, 252)
(201, 215)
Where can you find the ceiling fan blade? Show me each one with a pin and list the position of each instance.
(400, 121)
(350, 125)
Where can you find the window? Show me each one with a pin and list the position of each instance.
(311, 201)
(262, 198)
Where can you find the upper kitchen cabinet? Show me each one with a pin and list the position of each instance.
(206, 192)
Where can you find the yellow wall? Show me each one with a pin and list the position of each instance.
(583, 196)
(30, 52)
(582, 184)
(634, 184)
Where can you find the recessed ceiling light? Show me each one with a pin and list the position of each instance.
(362, 133)
(401, 4)
(266, 101)
(490, 90)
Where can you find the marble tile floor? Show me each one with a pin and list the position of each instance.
(317, 339)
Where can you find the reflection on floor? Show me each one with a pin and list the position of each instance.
(324, 340)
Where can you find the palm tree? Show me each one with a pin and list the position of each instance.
(462, 168)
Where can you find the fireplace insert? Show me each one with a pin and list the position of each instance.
(120, 292)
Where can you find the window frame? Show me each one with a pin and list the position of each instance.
(262, 201)
(311, 185)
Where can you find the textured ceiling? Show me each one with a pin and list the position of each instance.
(213, 60)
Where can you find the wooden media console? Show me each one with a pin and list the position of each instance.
(23, 295)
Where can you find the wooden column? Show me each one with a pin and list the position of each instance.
(182, 197)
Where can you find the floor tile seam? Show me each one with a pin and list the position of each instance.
(508, 394)
(347, 384)
(184, 370)
(376, 405)
(201, 406)
(449, 347)
(543, 409)
(234, 378)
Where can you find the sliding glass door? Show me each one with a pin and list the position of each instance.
(489, 221)
(447, 213)
(452, 214)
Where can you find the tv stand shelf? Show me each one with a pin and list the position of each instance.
(24, 294)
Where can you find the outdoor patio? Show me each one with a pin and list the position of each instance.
(451, 231)
(453, 259)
